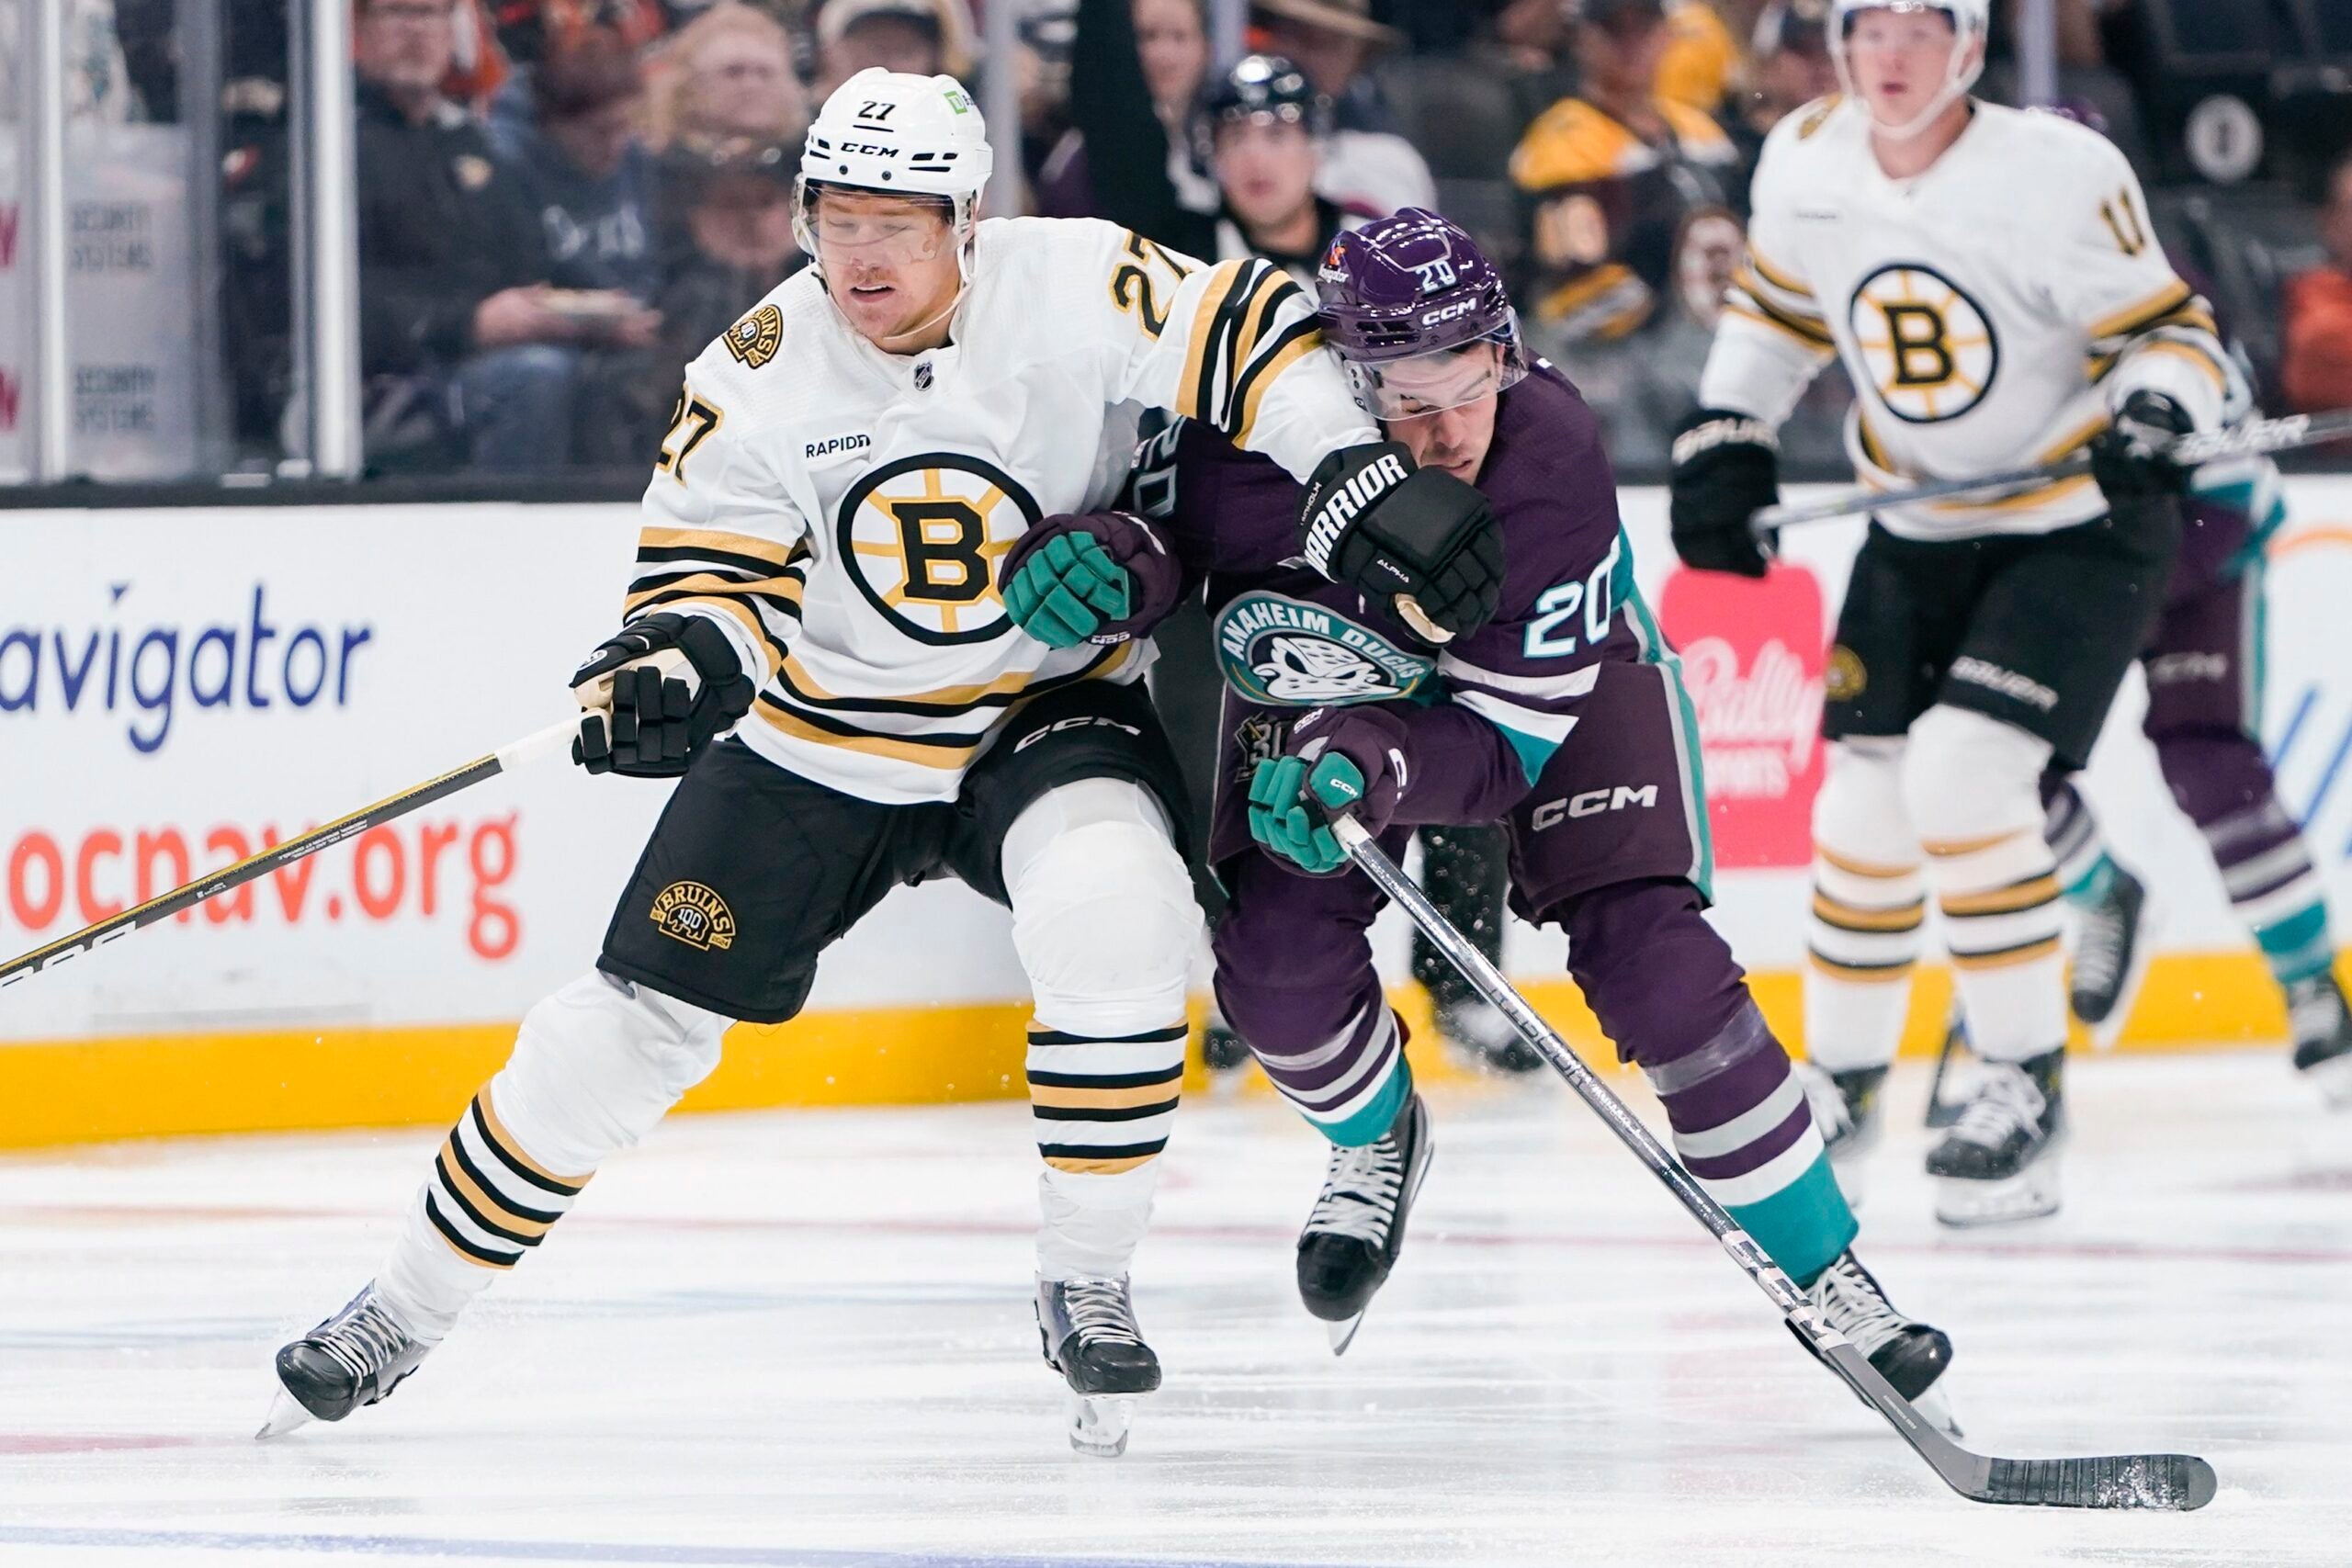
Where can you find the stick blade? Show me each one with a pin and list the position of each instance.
(2178, 1482)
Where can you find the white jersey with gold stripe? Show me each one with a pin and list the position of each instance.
(841, 511)
(1991, 311)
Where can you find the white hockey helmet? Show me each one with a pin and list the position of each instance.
(902, 134)
(1972, 20)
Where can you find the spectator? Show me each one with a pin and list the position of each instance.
(1367, 164)
(1700, 57)
(1626, 193)
(923, 38)
(1125, 52)
(590, 176)
(736, 215)
(1610, 177)
(1789, 67)
(457, 332)
(1264, 129)
(726, 82)
(2316, 372)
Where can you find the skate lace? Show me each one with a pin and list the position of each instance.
(2098, 955)
(1359, 1193)
(2007, 1101)
(1831, 1116)
(1850, 1298)
(363, 1338)
(1099, 1312)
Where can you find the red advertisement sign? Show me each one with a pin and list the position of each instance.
(1752, 656)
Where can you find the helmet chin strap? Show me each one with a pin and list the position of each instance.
(962, 287)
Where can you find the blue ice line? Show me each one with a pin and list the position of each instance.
(2327, 779)
(574, 1550)
(2294, 727)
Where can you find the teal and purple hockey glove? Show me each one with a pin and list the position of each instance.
(1351, 759)
(1099, 577)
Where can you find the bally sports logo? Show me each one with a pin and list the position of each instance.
(1753, 662)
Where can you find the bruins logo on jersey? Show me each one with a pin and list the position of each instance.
(922, 538)
(753, 340)
(1930, 348)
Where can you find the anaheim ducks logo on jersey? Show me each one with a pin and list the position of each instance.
(1929, 347)
(1290, 653)
(922, 538)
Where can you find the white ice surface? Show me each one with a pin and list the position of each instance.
(804, 1339)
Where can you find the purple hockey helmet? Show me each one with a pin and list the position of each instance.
(1419, 315)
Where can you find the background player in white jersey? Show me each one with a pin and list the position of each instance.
(1990, 279)
(845, 467)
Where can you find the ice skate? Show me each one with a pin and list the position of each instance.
(2322, 1037)
(2111, 952)
(1483, 1033)
(1911, 1356)
(1846, 1113)
(1087, 1329)
(357, 1357)
(1357, 1228)
(1999, 1161)
(1955, 1077)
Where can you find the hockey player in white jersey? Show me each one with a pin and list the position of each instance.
(1991, 282)
(845, 468)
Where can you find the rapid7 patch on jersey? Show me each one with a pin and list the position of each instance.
(922, 538)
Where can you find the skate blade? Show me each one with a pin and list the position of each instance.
(285, 1414)
(2030, 1194)
(1934, 1407)
(1098, 1423)
(1343, 1332)
(2109, 1030)
(2332, 1078)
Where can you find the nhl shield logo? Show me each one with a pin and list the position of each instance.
(692, 913)
(753, 340)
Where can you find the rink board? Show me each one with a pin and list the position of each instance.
(177, 688)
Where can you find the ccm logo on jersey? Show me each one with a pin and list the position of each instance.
(1349, 501)
(1592, 803)
(1081, 722)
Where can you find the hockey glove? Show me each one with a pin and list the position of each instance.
(1102, 577)
(1727, 470)
(1416, 541)
(654, 693)
(2131, 459)
(1337, 760)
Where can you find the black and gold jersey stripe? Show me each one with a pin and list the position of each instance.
(1254, 325)
(758, 582)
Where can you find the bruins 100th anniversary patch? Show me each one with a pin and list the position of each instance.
(754, 339)
(693, 914)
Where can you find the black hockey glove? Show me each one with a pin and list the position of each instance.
(1416, 541)
(1727, 470)
(2131, 457)
(654, 693)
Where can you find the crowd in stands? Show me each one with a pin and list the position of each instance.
(563, 200)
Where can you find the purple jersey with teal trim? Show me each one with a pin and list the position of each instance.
(1233, 519)
(1287, 636)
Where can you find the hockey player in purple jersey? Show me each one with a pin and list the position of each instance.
(1562, 716)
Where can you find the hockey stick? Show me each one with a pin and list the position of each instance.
(2179, 1482)
(506, 759)
(2253, 439)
